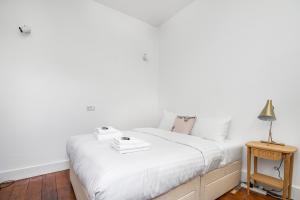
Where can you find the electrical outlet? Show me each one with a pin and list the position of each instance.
(90, 108)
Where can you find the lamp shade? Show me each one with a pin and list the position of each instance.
(267, 114)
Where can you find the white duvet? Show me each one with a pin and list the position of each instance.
(172, 160)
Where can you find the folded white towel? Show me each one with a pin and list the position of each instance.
(106, 130)
(130, 146)
(132, 150)
(132, 140)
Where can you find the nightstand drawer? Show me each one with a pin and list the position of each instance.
(270, 155)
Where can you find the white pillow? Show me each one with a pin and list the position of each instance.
(167, 121)
(215, 129)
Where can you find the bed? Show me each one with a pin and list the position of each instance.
(177, 166)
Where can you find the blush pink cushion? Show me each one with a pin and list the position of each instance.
(183, 124)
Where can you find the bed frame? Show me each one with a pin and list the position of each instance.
(206, 187)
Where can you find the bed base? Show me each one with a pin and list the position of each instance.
(206, 187)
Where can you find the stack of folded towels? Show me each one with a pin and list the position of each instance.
(107, 132)
(129, 145)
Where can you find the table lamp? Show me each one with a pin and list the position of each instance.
(267, 114)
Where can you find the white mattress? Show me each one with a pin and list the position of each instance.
(172, 160)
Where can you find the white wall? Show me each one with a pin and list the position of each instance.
(228, 57)
(79, 53)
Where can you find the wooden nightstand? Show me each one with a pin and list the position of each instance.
(271, 152)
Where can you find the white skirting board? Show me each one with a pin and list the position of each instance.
(30, 171)
(295, 188)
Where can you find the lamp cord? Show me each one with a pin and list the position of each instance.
(278, 169)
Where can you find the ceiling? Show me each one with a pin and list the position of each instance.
(154, 12)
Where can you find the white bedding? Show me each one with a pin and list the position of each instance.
(232, 151)
(172, 160)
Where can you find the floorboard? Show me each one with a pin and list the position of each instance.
(242, 195)
(57, 186)
(49, 191)
(20, 190)
(64, 187)
(6, 192)
(34, 191)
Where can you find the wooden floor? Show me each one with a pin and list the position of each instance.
(241, 194)
(57, 186)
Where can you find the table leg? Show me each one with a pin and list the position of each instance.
(286, 175)
(248, 169)
(291, 176)
(255, 168)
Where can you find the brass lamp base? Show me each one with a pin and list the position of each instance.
(272, 142)
(270, 138)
